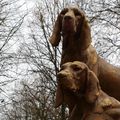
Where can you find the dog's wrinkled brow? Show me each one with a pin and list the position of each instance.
(76, 66)
(75, 10)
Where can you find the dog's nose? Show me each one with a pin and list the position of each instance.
(67, 17)
(61, 75)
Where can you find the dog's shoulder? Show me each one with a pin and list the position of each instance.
(92, 55)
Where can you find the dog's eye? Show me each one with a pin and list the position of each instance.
(76, 68)
(77, 12)
(64, 11)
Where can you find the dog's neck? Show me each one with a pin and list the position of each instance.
(90, 107)
(82, 108)
(69, 41)
(72, 41)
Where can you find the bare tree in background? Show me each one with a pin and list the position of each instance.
(105, 14)
(11, 20)
(35, 103)
(10, 23)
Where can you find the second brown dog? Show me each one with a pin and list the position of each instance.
(81, 91)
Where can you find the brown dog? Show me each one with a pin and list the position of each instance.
(73, 26)
(82, 90)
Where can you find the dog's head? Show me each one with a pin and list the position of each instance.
(71, 21)
(76, 77)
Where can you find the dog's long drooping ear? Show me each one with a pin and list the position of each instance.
(92, 87)
(84, 32)
(59, 96)
(56, 36)
(75, 114)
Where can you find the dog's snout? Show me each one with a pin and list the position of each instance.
(67, 17)
(61, 75)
